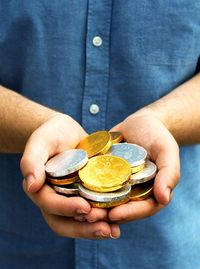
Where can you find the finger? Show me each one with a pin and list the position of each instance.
(115, 231)
(36, 154)
(168, 174)
(96, 214)
(70, 228)
(134, 210)
(52, 203)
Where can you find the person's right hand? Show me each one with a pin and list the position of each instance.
(65, 216)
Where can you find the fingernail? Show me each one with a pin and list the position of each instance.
(100, 234)
(168, 193)
(80, 218)
(81, 211)
(114, 237)
(30, 181)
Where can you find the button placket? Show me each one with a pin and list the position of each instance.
(97, 65)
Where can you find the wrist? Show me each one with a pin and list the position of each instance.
(154, 110)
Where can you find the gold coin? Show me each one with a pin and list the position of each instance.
(138, 168)
(69, 179)
(117, 137)
(141, 191)
(108, 204)
(96, 143)
(102, 189)
(103, 173)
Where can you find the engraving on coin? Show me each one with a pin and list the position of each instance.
(66, 162)
(105, 197)
(96, 143)
(132, 153)
(144, 175)
(103, 172)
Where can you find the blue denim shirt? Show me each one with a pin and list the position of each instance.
(48, 53)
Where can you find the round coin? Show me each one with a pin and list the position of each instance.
(66, 162)
(136, 169)
(102, 189)
(96, 143)
(105, 197)
(108, 204)
(71, 189)
(132, 153)
(104, 172)
(141, 191)
(69, 179)
(117, 137)
(144, 175)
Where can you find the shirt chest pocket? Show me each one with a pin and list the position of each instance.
(170, 32)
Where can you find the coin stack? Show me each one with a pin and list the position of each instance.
(102, 170)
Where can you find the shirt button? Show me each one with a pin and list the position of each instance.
(94, 109)
(97, 41)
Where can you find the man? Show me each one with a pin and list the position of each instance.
(95, 65)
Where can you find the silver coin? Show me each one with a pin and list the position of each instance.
(132, 153)
(105, 197)
(68, 189)
(66, 162)
(144, 175)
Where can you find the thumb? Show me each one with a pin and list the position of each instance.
(168, 174)
(33, 161)
(57, 134)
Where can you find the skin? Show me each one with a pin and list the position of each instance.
(159, 127)
(162, 148)
(37, 139)
(64, 215)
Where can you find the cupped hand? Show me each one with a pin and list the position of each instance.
(150, 133)
(65, 215)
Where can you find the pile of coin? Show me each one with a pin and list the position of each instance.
(104, 170)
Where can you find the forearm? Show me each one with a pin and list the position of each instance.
(180, 111)
(19, 117)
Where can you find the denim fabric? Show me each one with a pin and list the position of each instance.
(47, 54)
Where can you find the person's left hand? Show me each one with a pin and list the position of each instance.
(150, 133)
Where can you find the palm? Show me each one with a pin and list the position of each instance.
(64, 215)
(150, 133)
